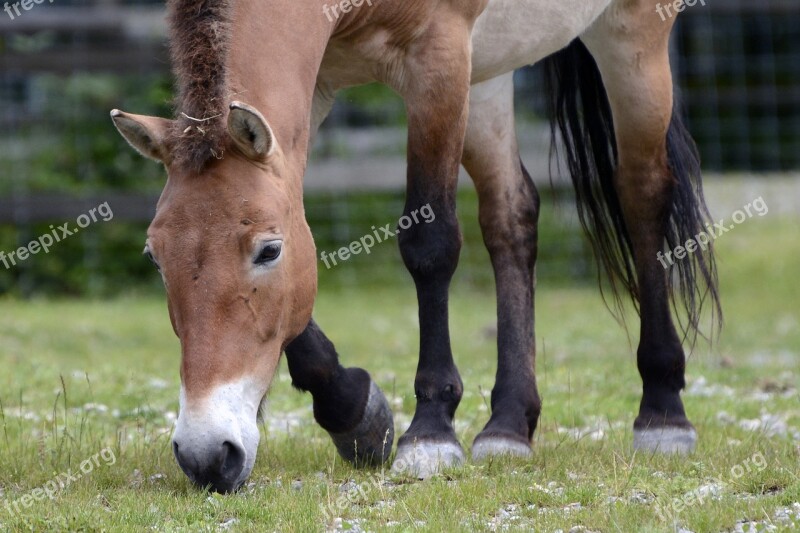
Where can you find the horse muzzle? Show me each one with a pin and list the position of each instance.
(216, 442)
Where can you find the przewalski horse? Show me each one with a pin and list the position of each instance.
(238, 259)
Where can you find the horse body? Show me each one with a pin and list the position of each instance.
(238, 259)
(509, 34)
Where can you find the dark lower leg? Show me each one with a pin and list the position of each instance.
(430, 251)
(509, 209)
(510, 232)
(347, 403)
(340, 394)
(660, 356)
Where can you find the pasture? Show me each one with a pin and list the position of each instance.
(84, 376)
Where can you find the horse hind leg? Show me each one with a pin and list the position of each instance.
(509, 210)
(631, 50)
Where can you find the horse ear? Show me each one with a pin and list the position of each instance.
(250, 132)
(145, 134)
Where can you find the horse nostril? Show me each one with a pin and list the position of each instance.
(233, 460)
(216, 467)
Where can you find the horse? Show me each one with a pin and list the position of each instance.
(255, 80)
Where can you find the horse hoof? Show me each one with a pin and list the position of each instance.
(425, 459)
(667, 440)
(496, 446)
(370, 442)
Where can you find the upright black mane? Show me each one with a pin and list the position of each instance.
(199, 43)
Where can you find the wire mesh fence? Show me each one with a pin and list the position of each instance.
(739, 71)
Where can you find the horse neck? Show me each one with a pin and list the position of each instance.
(274, 60)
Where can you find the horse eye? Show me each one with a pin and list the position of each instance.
(148, 254)
(269, 253)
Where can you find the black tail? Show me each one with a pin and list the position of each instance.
(581, 114)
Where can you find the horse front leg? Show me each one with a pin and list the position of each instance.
(347, 403)
(436, 94)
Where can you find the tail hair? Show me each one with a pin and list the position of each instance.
(580, 115)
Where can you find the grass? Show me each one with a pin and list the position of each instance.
(82, 376)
